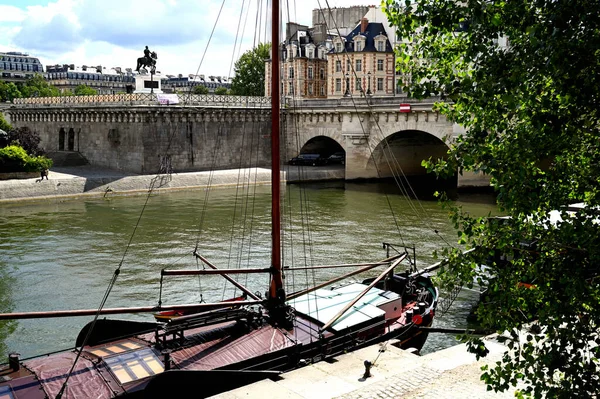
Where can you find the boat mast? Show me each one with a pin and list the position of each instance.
(276, 290)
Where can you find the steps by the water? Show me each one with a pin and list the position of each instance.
(67, 158)
(451, 373)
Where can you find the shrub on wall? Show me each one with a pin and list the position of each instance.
(14, 158)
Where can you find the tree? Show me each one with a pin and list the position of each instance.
(26, 139)
(9, 91)
(221, 90)
(530, 110)
(84, 90)
(37, 86)
(200, 89)
(4, 125)
(249, 79)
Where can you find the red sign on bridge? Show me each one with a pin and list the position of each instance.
(404, 107)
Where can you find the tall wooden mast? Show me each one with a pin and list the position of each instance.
(276, 288)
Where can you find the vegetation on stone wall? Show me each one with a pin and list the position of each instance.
(4, 125)
(20, 152)
(14, 158)
(249, 79)
(530, 110)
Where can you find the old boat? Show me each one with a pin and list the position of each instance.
(211, 348)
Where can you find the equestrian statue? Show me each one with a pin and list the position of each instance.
(148, 60)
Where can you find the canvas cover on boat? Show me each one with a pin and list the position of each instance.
(324, 304)
(85, 381)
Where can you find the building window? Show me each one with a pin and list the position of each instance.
(338, 47)
(291, 73)
(380, 45)
(358, 45)
(338, 66)
(358, 65)
(358, 84)
(338, 84)
(291, 88)
(322, 73)
(323, 89)
(379, 84)
(348, 66)
(310, 53)
(310, 72)
(310, 89)
(380, 65)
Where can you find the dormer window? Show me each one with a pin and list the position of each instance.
(310, 53)
(338, 47)
(358, 45)
(380, 45)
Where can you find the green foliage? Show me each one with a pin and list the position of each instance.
(27, 139)
(221, 90)
(4, 125)
(249, 79)
(14, 158)
(84, 90)
(200, 89)
(37, 86)
(9, 91)
(530, 110)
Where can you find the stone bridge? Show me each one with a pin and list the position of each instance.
(141, 133)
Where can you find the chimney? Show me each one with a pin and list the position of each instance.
(363, 25)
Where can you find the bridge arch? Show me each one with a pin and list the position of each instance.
(323, 145)
(402, 153)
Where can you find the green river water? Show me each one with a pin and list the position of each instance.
(62, 255)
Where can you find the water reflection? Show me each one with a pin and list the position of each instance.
(62, 255)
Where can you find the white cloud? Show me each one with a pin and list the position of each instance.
(114, 32)
(11, 14)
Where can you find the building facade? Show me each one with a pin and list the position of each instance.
(303, 65)
(68, 77)
(18, 67)
(186, 84)
(362, 63)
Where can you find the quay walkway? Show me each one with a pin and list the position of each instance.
(451, 373)
(87, 181)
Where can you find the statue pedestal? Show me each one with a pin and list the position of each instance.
(147, 83)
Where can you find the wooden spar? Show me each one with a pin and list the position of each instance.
(276, 286)
(142, 309)
(349, 305)
(435, 266)
(232, 281)
(166, 272)
(342, 277)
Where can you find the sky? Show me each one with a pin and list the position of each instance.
(189, 37)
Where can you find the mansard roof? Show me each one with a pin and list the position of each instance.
(372, 30)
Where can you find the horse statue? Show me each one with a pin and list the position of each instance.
(147, 62)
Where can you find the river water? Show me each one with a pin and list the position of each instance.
(62, 255)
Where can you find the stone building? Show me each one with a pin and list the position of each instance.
(68, 77)
(348, 51)
(186, 84)
(303, 64)
(18, 67)
(362, 63)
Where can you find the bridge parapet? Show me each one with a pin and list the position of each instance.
(103, 100)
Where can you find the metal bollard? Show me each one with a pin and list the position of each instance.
(368, 366)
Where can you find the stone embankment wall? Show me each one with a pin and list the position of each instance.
(148, 139)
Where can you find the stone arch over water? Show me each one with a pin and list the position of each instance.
(401, 155)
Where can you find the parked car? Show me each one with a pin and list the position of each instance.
(337, 157)
(308, 159)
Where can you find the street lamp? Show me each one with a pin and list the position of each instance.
(347, 93)
(369, 84)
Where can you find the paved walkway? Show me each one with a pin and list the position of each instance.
(85, 181)
(451, 373)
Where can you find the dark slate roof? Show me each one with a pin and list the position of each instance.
(373, 30)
